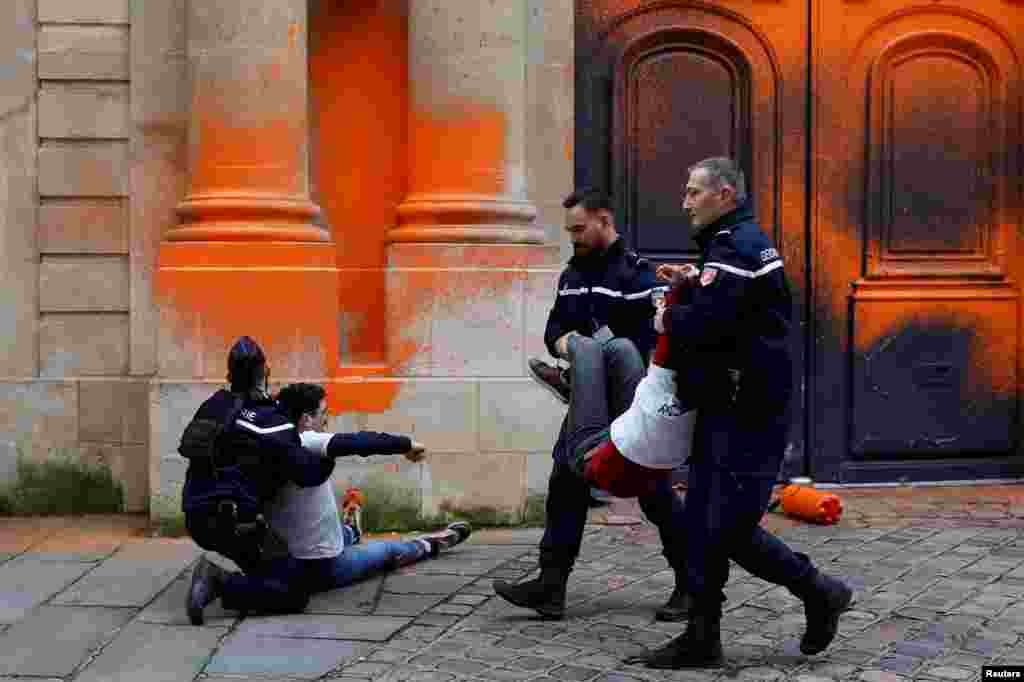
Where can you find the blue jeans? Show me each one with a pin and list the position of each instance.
(359, 561)
(604, 379)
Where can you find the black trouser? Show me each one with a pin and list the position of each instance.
(271, 581)
(604, 379)
(732, 473)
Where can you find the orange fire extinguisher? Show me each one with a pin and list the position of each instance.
(803, 501)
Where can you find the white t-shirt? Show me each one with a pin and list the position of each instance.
(307, 518)
(655, 431)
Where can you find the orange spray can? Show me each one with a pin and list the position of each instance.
(805, 502)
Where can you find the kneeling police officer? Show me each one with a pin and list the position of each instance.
(241, 449)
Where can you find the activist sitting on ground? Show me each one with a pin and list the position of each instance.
(329, 553)
(627, 454)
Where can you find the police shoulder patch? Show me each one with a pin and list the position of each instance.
(707, 276)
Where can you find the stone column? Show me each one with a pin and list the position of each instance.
(248, 137)
(467, 125)
(247, 257)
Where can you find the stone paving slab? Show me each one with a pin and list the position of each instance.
(411, 582)
(121, 582)
(26, 582)
(320, 626)
(154, 653)
(54, 640)
(354, 600)
(282, 657)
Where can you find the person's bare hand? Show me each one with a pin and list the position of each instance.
(677, 274)
(417, 453)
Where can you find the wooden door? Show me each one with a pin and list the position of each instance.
(916, 220)
(662, 85)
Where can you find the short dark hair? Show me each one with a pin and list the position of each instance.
(247, 365)
(591, 198)
(299, 399)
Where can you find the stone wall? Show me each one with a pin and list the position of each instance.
(66, 237)
(95, 119)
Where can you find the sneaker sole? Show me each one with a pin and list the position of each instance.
(546, 386)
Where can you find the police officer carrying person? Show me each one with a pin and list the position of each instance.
(737, 324)
(603, 299)
(241, 449)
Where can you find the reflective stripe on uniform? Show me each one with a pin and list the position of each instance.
(264, 431)
(610, 292)
(745, 273)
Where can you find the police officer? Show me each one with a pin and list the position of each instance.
(737, 323)
(241, 449)
(603, 297)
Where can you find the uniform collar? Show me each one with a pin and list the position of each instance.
(740, 214)
(599, 259)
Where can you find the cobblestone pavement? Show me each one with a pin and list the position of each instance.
(939, 575)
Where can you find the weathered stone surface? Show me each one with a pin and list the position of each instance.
(26, 582)
(321, 626)
(518, 416)
(83, 111)
(70, 634)
(19, 261)
(354, 600)
(83, 227)
(114, 411)
(440, 414)
(415, 583)
(476, 481)
(87, 284)
(538, 297)
(538, 472)
(122, 582)
(243, 654)
(83, 169)
(38, 416)
(154, 652)
(159, 119)
(83, 52)
(478, 324)
(83, 344)
(92, 12)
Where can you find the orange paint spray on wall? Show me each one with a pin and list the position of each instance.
(368, 155)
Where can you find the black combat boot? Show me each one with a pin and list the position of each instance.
(677, 607)
(824, 600)
(700, 646)
(205, 588)
(544, 594)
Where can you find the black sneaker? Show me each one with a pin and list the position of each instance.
(554, 379)
(454, 534)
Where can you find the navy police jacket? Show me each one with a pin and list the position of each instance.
(739, 317)
(261, 451)
(612, 287)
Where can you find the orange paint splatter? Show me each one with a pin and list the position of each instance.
(460, 152)
(232, 160)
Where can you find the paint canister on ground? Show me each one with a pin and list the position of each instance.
(802, 500)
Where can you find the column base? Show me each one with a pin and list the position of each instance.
(285, 295)
(466, 218)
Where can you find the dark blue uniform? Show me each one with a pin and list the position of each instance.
(612, 288)
(736, 325)
(259, 451)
